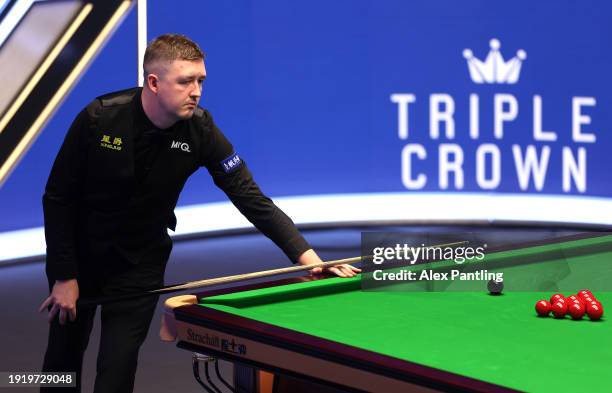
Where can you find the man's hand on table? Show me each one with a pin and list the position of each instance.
(62, 299)
(310, 258)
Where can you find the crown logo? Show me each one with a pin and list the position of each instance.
(494, 69)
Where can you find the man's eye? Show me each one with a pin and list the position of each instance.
(184, 82)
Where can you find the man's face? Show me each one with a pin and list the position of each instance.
(180, 87)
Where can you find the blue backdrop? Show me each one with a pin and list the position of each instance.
(314, 96)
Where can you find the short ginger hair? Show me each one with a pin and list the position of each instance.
(169, 47)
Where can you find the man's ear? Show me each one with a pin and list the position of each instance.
(153, 82)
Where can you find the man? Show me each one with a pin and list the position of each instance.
(110, 199)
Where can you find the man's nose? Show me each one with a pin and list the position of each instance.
(196, 90)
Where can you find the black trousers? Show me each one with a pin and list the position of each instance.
(124, 324)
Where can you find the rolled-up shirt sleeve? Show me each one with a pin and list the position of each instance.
(60, 202)
(231, 174)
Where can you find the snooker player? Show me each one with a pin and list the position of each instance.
(110, 200)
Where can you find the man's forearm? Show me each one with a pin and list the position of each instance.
(283, 232)
(60, 235)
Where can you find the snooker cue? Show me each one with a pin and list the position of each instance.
(234, 278)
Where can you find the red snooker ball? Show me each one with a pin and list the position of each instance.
(542, 308)
(559, 309)
(597, 302)
(556, 297)
(576, 310)
(584, 293)
(572, 297)
(594, 311)
(588, 299)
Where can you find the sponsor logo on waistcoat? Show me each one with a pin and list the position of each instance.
(114, 144)
(180, 145)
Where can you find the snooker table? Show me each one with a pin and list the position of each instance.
(330, 332)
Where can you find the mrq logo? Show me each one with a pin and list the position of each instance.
(530, 160)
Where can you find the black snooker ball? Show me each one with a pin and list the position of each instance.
(495, 287)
